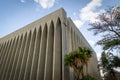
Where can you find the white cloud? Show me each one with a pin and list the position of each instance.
(23, 1)
(46, 4)
(89, 13)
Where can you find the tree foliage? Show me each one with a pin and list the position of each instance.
(108, 63)
(77, 59)
(109, 26)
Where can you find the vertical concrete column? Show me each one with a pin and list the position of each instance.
(36, 56)
(3, 56)
(30, 56)
(24, 60)
(72, 39)
(49, 54)
(10, 65)
(0, 45)
(5, 65)
(79, 40)
(72, 48)
(41, 61)
(66, 47)
(57, 56)
(5, 45)
(17, 62)
(75, 40)
(1, 49)
(3, 60)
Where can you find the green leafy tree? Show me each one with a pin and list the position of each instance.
(109, 28)
(116, 61)
(108, 62)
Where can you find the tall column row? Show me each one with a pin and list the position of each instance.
(34, 55)
(75, 38)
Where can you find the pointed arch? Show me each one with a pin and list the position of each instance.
(49, 53)
(36, 55)
(17, 63)
(15, 55)
(30, 56)
(7, 59)
(57, 56)
(25, 56)
(42, 54)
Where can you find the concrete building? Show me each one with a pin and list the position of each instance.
(36, 51)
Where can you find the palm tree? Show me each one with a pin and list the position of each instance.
(74, 61)
(88, 54)
(77, 59)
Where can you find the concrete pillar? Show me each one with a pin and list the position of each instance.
(57, 56)
(70, 38)
(3, 56)
(36, 56)
(49, 54)
(15, 52)
(73, 47)
(30, 56)
(0, 46)
(24, 60)
(41, 61)
(74, 44)
(5, 64)
(17, 62)
(1, 49)
(77, 42)
(5, 46)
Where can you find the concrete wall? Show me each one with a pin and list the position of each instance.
(36, 51)
(76, 39)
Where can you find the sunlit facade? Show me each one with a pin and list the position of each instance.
(36, 51)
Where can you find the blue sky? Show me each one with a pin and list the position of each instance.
(15, 14)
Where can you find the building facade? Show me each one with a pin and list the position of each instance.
(36, 51)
